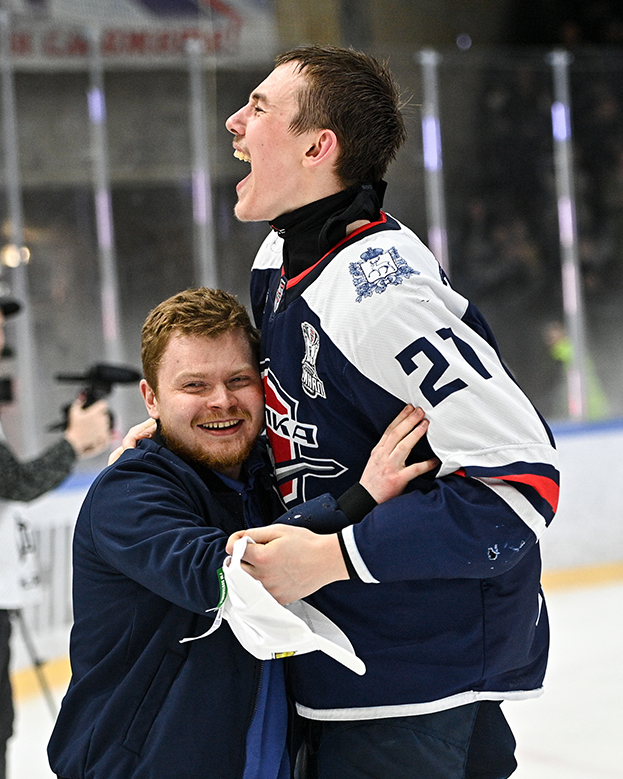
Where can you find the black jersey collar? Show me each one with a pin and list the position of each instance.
(314, 229)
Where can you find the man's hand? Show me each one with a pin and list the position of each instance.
(143, 430)
(88, 429)
(386, 475)
(291, 562)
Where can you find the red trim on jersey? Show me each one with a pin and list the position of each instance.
(363, 228)
(547, 488)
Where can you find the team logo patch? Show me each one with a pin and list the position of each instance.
(293, 443)
(377, 270)
(311, 382)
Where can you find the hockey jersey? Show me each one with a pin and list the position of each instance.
(447, 607)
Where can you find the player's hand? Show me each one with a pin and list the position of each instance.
(145, 429)
(291, 562)
(386, 474)
(88, 429)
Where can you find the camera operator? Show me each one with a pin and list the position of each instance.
(87, 434)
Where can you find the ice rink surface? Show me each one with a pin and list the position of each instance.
(574, 731)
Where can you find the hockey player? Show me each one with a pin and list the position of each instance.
(438, 589)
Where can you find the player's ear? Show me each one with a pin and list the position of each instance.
(151, 401)
(323, 147)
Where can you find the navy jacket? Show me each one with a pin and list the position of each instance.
(148, 542)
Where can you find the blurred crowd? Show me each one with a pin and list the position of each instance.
(510, 231)
(567, 23)
(507, 248)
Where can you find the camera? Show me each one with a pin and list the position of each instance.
(98, 382)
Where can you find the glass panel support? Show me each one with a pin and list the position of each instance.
(433, 159)
(573, 299)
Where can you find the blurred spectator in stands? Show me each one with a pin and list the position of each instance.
(561, 350)
(613, 218)
(516, 134)
(565, 22)
(498, 255)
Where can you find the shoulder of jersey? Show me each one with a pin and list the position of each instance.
(270, 253)
(373, 269)
(380, 261)
(403, 242)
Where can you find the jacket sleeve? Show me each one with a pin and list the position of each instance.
(325, 514)
(456, 529)
(28, 480)
(147, 522)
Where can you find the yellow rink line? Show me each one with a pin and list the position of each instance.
(57, 672)
(582, 576)
(26, 684)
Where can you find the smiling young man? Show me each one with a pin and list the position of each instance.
(218, 434)
(148, 545)
(357, 318)
(148, 542)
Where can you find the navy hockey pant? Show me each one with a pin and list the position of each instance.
(468, 742)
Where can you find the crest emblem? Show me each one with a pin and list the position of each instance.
(311, 382)
(377, 270)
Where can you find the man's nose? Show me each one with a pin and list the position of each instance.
(221, 397)
(235, 123)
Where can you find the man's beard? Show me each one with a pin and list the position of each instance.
(197, 454)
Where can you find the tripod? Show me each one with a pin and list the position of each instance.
(36, 661)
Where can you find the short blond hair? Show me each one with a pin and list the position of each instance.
(201, 311)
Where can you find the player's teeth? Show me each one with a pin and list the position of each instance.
(219, 425)
(241, 156)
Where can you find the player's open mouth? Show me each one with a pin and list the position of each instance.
(244, 157)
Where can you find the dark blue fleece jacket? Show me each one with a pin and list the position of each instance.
(148, 542)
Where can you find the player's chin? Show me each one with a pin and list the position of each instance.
(250, 215)
(251, 209)
(244, 209)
